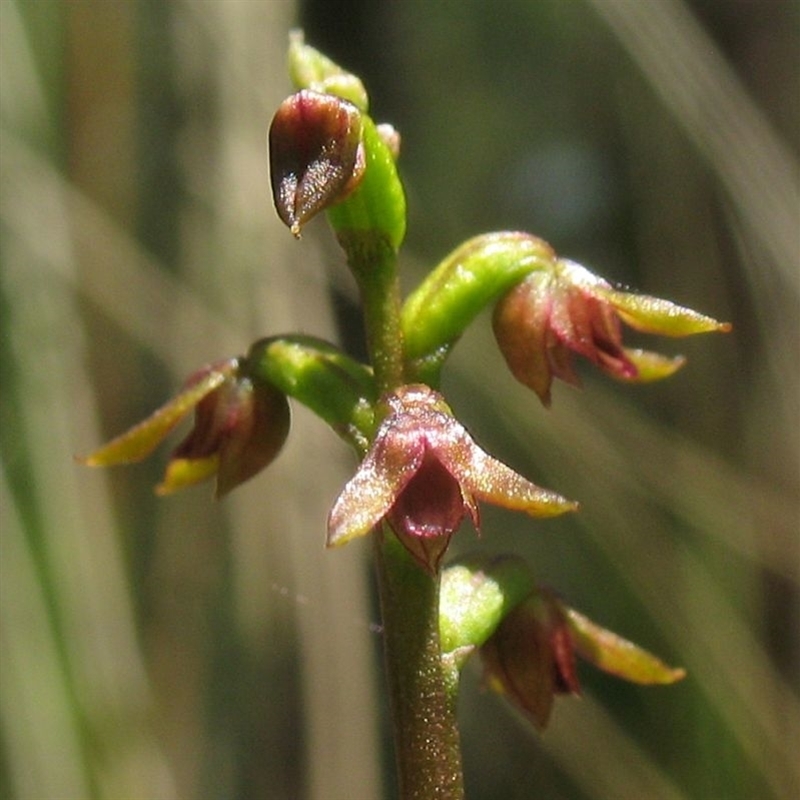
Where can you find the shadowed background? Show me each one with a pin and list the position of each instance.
(179, 648)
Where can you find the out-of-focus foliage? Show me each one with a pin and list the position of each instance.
(178, 648)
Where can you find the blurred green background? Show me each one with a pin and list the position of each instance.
(179, 649)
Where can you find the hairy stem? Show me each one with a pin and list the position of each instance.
(422, 698)
(422, 693)
(373, 261)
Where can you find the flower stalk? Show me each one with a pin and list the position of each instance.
(374, 265)
(421, 474)
(422, 690)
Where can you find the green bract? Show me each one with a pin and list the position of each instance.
(310, 69)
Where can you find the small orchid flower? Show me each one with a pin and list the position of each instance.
(240, 426)
(553, 314)
(424, 474)
(530, 657)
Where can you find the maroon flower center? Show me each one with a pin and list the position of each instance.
(431, 503)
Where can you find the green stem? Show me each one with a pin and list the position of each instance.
(422, 691)
(373, 261)
(422, 695)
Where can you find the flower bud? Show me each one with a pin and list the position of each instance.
(315, 152)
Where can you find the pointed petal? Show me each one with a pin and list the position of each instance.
(654, 315)
(560, 360)
(371, 492)
(183, 472)
(616, 655)
(492, 481)
(652, 366)
(574, 274)
(138, 442)
(571, 317)
(548, 610)
(488, 479)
